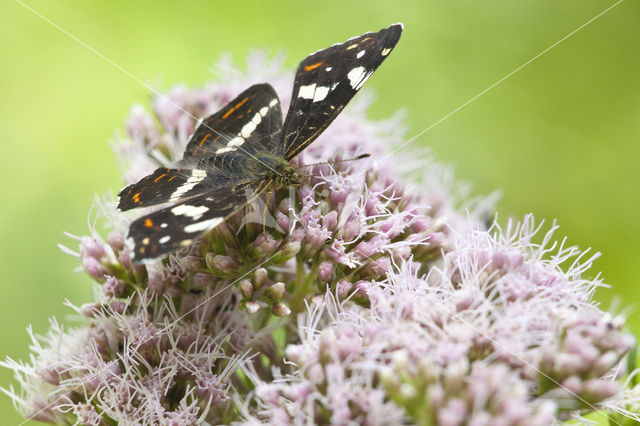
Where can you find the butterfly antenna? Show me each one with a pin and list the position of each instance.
(359, 157)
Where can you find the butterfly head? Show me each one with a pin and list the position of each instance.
(286, 176)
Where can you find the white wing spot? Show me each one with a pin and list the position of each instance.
(164, 239)
(306, 92)
(385, 51)
(185, 243)
(225, 149)
(163, 225)
(353, 46)
(360, 54)
(237, 141)
(196, 177)
(257, 118)
(327, 69)
(355, 76)
(246, 131)
(204, 225)
(145, 241)
(263, 111)
(190, 211)
(273, 103)
(320, 93)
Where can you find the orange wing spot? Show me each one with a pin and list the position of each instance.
(171, 178)
(136, 197)
(235, 107)
(159, 177)
(195, 151)
(312, 66)
(204, 139)
(148, 223)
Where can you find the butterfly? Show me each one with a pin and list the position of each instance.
(245, 148)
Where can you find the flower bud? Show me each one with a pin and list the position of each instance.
(94, 268)
(288, 251)
(330, 220)
(222, 263)
(91, 247)
(325, 272)
(260, 276)
(343, 288)
(246, 288)
(193, 263)
(115, 240)
(264, 244)
(280, 310)
(283, 222)
(275, 291)
(252, 307)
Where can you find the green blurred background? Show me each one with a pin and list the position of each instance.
(559, 138)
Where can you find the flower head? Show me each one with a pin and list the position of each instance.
(408, 309)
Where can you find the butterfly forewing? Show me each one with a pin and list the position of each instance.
(235, 154)
(248, 124)
(177, 226)
(327, 80)
(216, 153)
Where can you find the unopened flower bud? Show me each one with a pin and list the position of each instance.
(325, 271)
(246, 288)
(219, 262)
(91, 247)
(283, 222)
(193, 263)
(330, 220)
(275, 291)
(264, 244)
(94, 268)
(280, 310)
(343, 288)
(115, 240)
(260, 276)
(252, 307)
(289, 250)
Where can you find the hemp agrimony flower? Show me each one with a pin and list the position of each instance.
(360, 297)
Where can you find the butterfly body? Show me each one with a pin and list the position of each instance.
(245, 149)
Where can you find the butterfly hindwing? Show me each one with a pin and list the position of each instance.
(177, 226)
(250, 123)
(327, 80)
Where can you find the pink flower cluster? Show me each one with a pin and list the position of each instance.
(408, 310)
